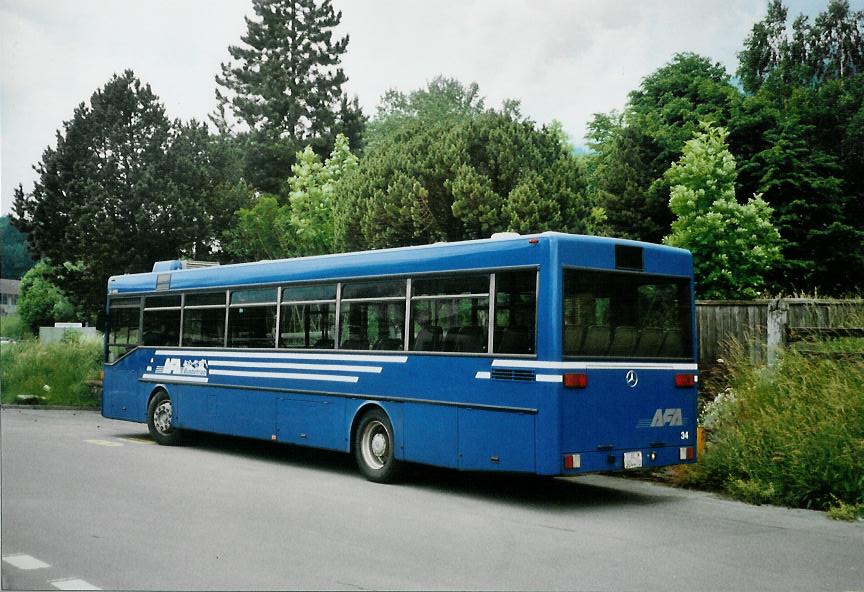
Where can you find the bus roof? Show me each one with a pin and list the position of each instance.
(505, 251)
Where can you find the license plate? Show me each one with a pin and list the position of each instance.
(633, 460)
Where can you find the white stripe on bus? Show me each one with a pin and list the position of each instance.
(175, 377)
(284, 356)
(483, 375)
(549, 378)
(290, 375)
(592, 365)
(289, 366)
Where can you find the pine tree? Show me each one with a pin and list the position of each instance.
(285, 85)
(440, 167)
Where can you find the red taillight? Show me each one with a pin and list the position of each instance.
(575, 380)
(685, 453)
(685, 380)
(572, 461)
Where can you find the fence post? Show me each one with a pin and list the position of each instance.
(778, 315)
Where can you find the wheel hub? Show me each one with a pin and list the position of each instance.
(162, 417)
(379, 445)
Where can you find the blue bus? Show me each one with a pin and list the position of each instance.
(551, 354)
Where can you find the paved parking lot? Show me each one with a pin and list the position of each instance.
(91, 502)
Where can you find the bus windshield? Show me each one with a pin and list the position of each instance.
(610, 314)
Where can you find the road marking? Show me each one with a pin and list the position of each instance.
(74, 584)
(138, 440)
(22, 561)
(108, 443)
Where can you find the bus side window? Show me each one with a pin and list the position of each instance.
(161, 320)
(308, 317)
(252, 318)
(515, 312)
(124, 320)
(450, 313)
(372, 315)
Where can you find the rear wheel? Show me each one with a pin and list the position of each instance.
(373, 448)
(160, 415)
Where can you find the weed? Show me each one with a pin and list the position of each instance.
(847, 512)
(792, 436)
(54, 371)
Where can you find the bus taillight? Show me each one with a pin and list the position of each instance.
(685, 380)
(575, 381)
(572, 461)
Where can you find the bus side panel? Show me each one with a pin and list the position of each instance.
(496, 440)
(246, 413)
(311, 421)
(430, 434)
(120, 399)
(196, 407)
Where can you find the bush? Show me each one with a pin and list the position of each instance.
(41, 303)
(793, 435)
(55, 371)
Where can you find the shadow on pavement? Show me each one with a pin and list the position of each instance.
(547, 493)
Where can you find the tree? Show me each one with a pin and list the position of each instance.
(122, 188)
(41, 303)
(438, 167)
(632, 151)
(797, 137)
(830, 48)
(304, 225)
(14, 258)
(286, 87)
(733, 245)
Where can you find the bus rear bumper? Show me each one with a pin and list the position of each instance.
(598, 461)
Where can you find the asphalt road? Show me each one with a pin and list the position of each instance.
(94, 503)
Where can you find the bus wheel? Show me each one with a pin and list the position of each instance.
(159, 416)
(373, 448)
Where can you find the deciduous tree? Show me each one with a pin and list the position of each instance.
(733, 245)
(123, 187)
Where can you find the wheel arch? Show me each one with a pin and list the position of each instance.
(157, 388)
(362, 410)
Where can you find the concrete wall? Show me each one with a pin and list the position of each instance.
(54, 334)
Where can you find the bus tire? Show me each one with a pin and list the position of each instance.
(159, 418)
(374, 448)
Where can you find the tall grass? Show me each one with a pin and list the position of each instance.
(13, 327)
(55, 371)
(792, 435)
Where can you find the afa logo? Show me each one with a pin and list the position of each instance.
(184, 368)
(667, 417)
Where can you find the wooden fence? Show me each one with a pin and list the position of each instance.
(718, 322)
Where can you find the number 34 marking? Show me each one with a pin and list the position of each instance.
(685, 435)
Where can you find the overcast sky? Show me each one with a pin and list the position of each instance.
(563, 59)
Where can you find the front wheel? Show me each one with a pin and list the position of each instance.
(373, 448)
(160, 414)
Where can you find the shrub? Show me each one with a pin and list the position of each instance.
(55, 371)
(41, 303)
(793, 435)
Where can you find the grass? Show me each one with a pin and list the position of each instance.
(56, 372)
(792, 435)
(12, 327)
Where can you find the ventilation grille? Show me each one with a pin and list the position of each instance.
(517, 375)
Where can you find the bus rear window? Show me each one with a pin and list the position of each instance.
(626, 315)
